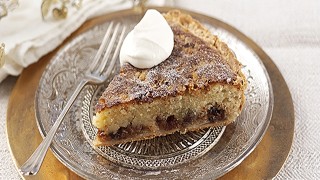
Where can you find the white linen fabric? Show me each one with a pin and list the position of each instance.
(27, 37)
(289, 31)
(7, 167)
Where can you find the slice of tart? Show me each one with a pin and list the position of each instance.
(199, 85)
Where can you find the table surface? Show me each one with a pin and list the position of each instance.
(289, 32)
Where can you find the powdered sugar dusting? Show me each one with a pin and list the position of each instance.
(192, 65)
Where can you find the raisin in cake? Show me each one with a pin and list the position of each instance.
(200, 85)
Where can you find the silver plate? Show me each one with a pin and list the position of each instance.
(206, 154)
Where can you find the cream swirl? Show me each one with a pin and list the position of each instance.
(149, 43)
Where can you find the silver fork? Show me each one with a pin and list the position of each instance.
(96, 74)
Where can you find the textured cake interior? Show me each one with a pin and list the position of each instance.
(219, 105)
(200, 85)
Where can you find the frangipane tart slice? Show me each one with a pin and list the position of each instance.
(199, 85)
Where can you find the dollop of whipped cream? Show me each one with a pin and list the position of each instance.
(149, 43)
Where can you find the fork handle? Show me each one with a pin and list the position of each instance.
(33, 164)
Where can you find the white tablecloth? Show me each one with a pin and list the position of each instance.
(289, 31)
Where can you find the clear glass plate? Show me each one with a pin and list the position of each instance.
(205, 154)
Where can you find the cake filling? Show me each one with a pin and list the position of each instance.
(214, 114)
